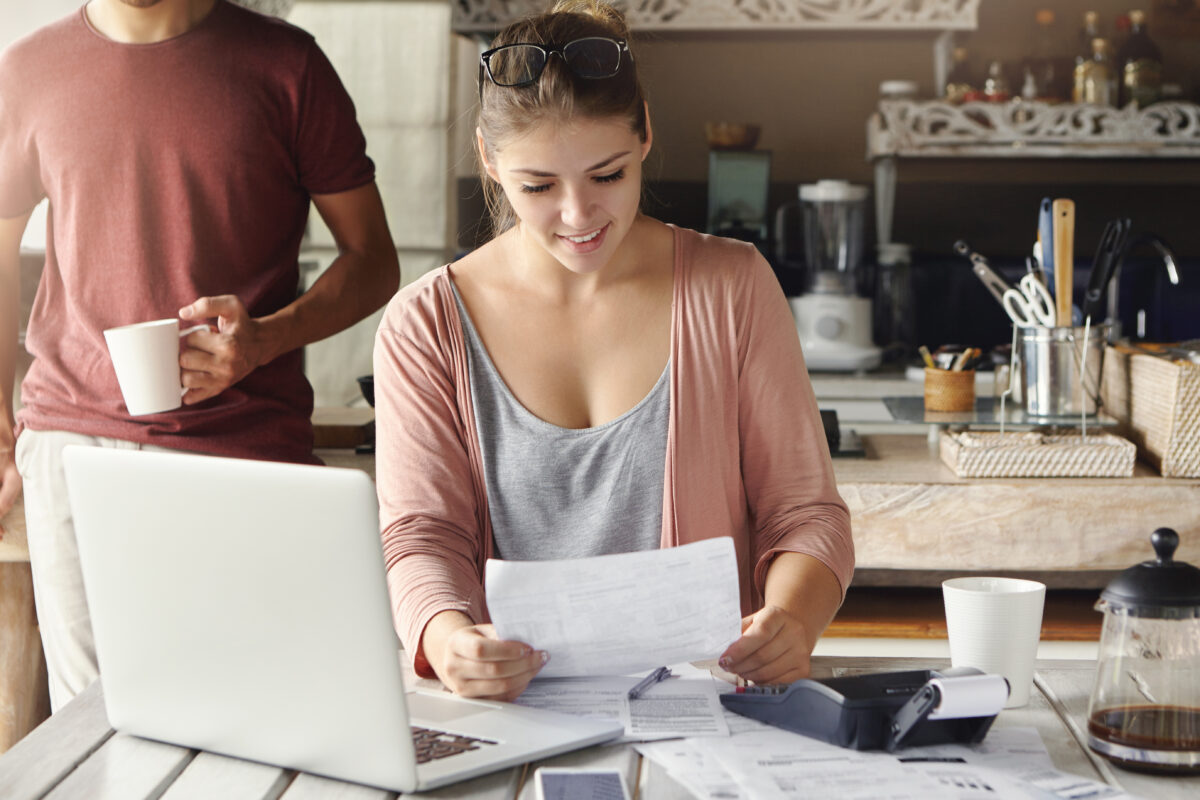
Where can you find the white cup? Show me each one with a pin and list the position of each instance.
(146, 359)
(994, 624)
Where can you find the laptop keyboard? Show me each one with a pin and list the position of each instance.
(432, 744)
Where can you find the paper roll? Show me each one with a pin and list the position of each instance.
(969, 696)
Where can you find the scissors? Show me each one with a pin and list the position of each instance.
(1030, 305)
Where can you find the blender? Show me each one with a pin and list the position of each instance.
(833, 320)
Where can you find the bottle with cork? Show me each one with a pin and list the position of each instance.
(1095, 79)
(1140, 63)
(1047, 69)
(1089, 32)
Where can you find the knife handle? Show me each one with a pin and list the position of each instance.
(1064, 258)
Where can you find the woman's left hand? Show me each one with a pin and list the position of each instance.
(774, 648)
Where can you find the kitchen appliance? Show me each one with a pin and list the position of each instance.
(833, 320)
(1144, 712)
(737, 194)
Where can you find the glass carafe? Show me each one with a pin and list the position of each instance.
(1144, 712)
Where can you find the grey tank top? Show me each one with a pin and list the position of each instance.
(561, 492)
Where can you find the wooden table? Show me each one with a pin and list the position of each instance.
(76, 754)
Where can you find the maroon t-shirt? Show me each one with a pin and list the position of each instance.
(174, 170)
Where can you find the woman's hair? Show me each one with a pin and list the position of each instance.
(508, 112)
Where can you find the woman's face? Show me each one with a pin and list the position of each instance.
(575, 187)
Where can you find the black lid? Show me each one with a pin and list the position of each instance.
(1161, 584)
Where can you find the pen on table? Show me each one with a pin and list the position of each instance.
(660, 674)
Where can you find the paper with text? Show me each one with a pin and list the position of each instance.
(615, 614)
(670, 709)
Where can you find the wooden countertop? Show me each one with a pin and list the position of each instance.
(911, 512)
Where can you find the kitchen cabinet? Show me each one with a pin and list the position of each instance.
(909, 129)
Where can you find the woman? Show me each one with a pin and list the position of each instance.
(592, 380)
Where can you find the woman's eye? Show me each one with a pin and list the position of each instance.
(611, 177)
(534, 188)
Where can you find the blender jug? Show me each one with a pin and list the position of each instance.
(833, 234)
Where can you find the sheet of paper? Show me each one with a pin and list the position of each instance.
(694, 769)
(1010, 763)
(622, 613)
(774, 763)
(673, 708)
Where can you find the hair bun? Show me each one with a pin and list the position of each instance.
(601, 11)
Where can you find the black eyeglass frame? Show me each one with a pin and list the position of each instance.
(549, 49)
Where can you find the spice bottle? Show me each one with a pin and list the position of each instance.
(995, 87)
(958, 82)
(1095, 79)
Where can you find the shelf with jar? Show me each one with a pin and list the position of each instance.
(901, 129)
(1033, 129)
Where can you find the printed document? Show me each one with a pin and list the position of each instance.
(687, 705)
(622, 613)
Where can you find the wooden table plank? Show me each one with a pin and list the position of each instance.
(210, 775)
(55, 748)
(502, 785)
(124, 768)
(314, 787)
(1070, 690)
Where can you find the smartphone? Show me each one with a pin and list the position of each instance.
(564, 783)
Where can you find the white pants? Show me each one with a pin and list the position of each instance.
(62, 612)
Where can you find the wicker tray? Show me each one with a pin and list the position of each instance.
(1031, 454)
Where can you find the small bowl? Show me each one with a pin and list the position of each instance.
(731, 135)
(366, 384)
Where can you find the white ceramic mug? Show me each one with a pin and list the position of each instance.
(146, 359)
(995, 624)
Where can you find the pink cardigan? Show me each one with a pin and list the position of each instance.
(746, 453)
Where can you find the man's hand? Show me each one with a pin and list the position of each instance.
(774, 648)
(215, 360)
(10, 484)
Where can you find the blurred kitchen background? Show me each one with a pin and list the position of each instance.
(811, 91)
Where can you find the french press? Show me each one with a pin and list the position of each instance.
(1144, 712)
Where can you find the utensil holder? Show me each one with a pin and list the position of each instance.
(946, 390)
(1057, 377)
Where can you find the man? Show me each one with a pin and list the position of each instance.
(180, 143)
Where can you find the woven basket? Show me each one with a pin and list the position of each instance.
(1157, 402)
(946, 390)
(990, 454)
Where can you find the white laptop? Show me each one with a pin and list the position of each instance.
(241, 607)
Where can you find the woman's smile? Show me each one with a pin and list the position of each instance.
(587, 242)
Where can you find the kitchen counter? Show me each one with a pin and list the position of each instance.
(915, 520)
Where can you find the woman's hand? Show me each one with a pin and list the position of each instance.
(472, 662)
(774, 648)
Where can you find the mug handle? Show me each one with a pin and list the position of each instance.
(191, 330)
(185, 332)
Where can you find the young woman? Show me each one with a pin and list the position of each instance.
(593, 381)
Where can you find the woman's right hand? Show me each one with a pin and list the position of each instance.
(472, 662)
